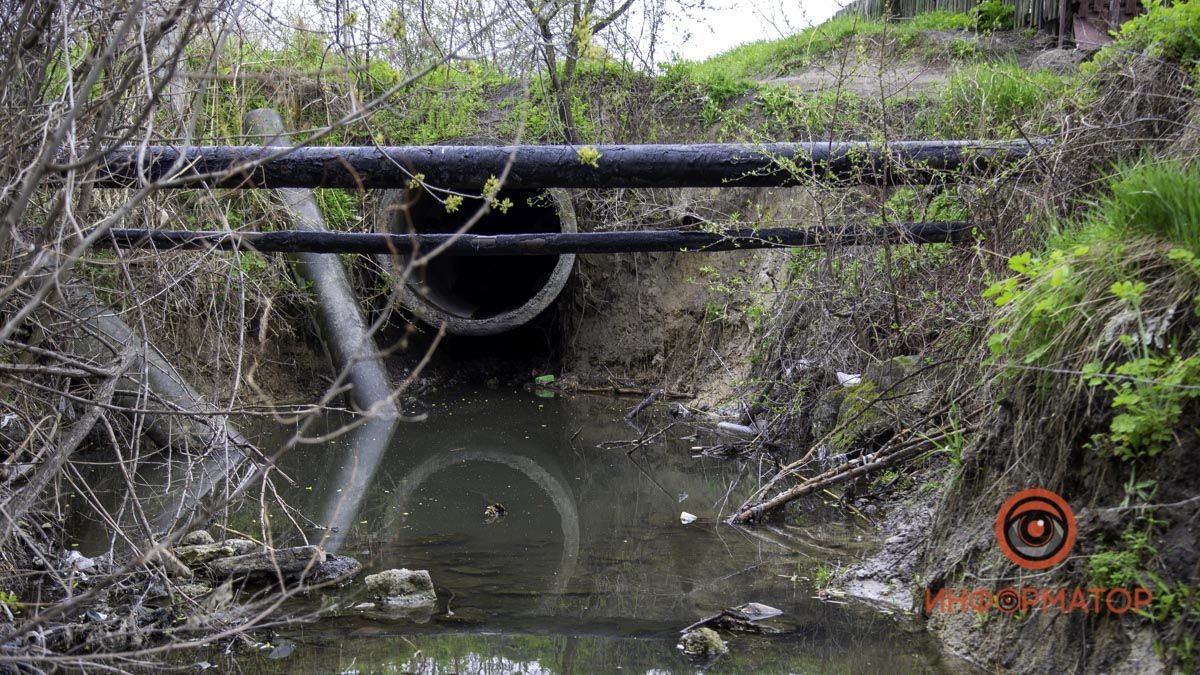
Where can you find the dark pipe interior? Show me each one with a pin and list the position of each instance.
(482, 287)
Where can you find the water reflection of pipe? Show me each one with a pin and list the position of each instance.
(351, 345)
(368, 443)
(559, 494)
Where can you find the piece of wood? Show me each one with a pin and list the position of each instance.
(618, 390)
(279, 561)
(1065, 13)
(638, 241)
(845, 473)
(646, 403)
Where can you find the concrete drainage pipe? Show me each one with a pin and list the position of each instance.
(483, 295)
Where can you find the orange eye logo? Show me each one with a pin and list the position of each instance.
(1036, 529)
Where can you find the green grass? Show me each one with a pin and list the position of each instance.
(1160, 199)
(311, 87)
(789, 110)
(941, 20)
(1003, 100)
(339, 207)
(539, 120)
(1094, 304)
(769, 58)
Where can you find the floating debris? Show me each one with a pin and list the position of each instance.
(494, 512)
(756, 611)
(743, 619)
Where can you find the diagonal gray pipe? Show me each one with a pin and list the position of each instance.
(350, 343)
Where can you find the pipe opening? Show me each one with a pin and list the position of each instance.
(484, 295)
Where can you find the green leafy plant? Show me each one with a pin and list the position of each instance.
(1114, 569)
(824, 575)
(1123, 565)
(10, 602)
(954, 442)
(1167, 30)
(963, 49)
(1149, 395)
(993, 15)
(589, 156)
(1102, 302)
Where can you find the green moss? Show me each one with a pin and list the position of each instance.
(859, 417)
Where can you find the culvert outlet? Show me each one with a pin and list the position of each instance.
(482, 295)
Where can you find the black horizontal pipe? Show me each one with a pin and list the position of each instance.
(535, 244)
(545, 166)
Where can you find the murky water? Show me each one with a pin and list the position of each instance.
(588, 570)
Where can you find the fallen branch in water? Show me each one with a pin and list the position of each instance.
(903, 447)
(645, 439)
(646, 403)
(791, 469)
(617, 390)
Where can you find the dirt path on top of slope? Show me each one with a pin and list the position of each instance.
(866, 79)
(905, 74)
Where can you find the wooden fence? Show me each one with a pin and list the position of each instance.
(1035, 13)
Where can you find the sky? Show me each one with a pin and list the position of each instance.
(725, 24)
